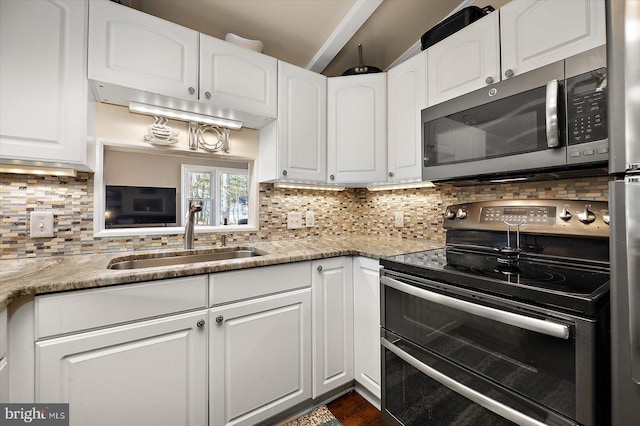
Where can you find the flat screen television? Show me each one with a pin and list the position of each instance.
(139, 206)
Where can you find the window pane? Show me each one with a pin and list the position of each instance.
(233, 198)
(204, 216)
(200, 185)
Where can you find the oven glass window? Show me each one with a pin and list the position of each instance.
(514, 125)
(538, 366)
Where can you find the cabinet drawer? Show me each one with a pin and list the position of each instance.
(231, 286)
(81, 310)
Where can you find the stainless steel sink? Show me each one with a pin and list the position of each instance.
(152, 261)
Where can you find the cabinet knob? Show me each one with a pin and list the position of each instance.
(207, 95)
(489, 80)
(284, 173)
(219, 319)
(508, 73)
(200, 323)
(319, 268)
(390, 174)
(192, 90)
(332, 177)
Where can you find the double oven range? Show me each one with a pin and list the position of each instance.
(506, 325)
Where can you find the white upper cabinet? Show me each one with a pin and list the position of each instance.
(295, 146)
(46, 110)
(132, 49)
(134, 56)
(537, 33)
(236, 78)
(407, 96)
(465, 61)
(357, 129)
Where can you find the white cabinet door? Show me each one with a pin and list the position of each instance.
(44, 107)
(537, 33)
(237, 78)
(4, 380)
(260, 357)
(407, 97)
(294, 147)
(332, 323)
(465, 61)
(132, 49)
(357, 129)
(366, 323)
(148, 373)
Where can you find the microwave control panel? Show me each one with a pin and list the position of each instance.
(587, 107)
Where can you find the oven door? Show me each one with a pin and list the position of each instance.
(513, 126)
(545, 359)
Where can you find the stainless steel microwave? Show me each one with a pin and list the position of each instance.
(551, 118)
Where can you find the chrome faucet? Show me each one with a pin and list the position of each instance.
(194, 207)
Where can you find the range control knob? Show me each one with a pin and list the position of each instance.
(605, 216)
(461, 213)
(587, 216)
(449, 214)
(565, 214)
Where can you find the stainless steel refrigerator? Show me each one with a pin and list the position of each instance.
(623, 63)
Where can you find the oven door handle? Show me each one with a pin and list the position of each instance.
(551, 114)
(490, 404)
(533, 324)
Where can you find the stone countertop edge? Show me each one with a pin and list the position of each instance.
(34, 276)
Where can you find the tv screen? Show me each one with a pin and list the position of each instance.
(136, 206)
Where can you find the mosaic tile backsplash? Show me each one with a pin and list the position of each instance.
(336, 213)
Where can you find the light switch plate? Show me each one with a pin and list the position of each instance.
(398, 219)
(294, 220)
(310, 219)
(41, 225)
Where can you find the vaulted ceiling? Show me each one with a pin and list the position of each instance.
(321, 35)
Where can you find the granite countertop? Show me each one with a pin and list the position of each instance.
(34, 276)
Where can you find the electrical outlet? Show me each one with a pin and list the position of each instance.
(41, 225)
(398, 219)
(310, 219)
(294, 220)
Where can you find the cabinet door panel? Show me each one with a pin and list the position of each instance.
(407, 96)
(332, 324)
(302, 123)
(366, 290)
(133, 49)
(462, 62)
(237, 78)
(148, 373)
(43, 89)
(260, 355)
(356, 138)
(537, 33)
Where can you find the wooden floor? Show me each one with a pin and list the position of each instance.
(352, 409)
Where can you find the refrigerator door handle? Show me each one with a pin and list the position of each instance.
(632, 217)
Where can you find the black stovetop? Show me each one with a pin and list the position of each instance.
(565, 284)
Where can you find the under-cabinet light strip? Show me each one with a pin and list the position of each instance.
(177, 114)
(283, 185)
(399, 185)
(37, 170)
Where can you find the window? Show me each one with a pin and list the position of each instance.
(223, 192)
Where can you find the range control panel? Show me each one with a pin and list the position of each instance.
(561, 217)
(544, 215)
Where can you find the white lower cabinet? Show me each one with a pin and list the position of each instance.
(147, 373)
(260, 357)
(332, 323)
(366, 323)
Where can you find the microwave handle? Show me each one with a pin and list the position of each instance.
(551, 114)
(490, 404)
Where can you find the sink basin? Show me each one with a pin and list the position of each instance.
(152, 261)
